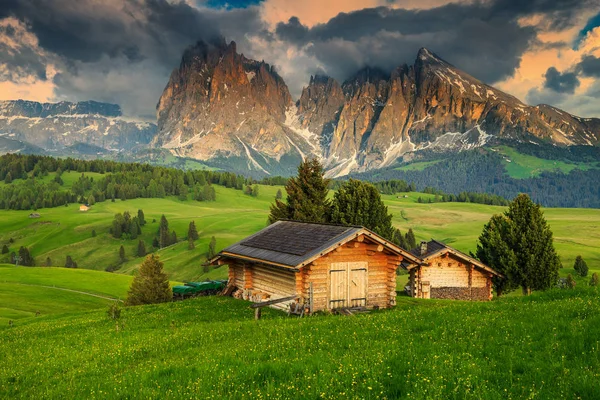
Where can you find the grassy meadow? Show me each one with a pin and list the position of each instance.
(545, 346)
(63, 231)
(25, 291)
(523, 166)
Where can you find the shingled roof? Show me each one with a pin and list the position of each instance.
(294, 244)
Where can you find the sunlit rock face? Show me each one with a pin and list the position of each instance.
(224, 107)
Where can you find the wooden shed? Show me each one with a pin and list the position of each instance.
(84, 207)
(326, 266)
(446, 273)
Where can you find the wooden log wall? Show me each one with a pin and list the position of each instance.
(453, 278)
(381, 289)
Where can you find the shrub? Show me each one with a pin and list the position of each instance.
(594, 281)
(114, 310)
(580, 266)
(570, 282)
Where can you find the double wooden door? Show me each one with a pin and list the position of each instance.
(348, 284)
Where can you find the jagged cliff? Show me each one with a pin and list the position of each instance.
(221, 106)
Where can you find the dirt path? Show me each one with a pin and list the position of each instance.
(71, 290)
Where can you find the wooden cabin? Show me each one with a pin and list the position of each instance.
(84, 207)
(446, 273)
(325, 266)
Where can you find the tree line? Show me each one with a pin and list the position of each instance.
(120, 181)
(480, 171)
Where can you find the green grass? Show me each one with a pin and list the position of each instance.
(27, 290)
(65, 231)
(545, 346)
(522, 166)
(68, 178)
(418, 166)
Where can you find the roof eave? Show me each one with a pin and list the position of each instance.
(225, 254)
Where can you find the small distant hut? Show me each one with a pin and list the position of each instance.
(34, 215)
(325, 266)
(446, 273)
(84, 207)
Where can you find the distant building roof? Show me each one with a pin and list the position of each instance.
(295, 244)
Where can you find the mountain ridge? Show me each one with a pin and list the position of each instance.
(61, 128)
(366, 122)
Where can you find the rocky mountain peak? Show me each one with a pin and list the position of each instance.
(222, 105)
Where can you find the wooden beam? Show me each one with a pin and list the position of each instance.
(361, 238)
(375, 247)
(271, 302)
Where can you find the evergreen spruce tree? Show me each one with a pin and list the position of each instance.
(141, 218)
(531, 240)
(359, 203)
(26, 259)
(8, 178)
(5, 249)
(173, 238)
(279, 195)
(141, 249)
(494, 251)
(411, 241)
(69, 263)
(191, 245)
(212, 247)
(122, 253)
(520, 246)
(306, 196)
(48, 262)
(192, 232)
(93, 233)
(163, 232)
(150, 285)
(580, 266)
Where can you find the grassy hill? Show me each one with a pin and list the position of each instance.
(25, 291)
(544, 346)
(66, 231)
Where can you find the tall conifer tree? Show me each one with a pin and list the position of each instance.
(521, 246)
(359, 203)
(150, 285)
(306, 195)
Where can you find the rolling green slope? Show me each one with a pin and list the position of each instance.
(65, 231)
(523, 166)
(25, 291)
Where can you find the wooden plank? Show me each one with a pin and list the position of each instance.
(273, 302)
(338, 285)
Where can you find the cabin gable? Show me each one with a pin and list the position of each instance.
(449, 276)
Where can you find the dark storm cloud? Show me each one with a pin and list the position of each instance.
(87, 30)
(589, 66)
(482, 38)
(565, 82)
(20, 62)
(115, 50)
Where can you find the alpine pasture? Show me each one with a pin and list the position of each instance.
(540, 346)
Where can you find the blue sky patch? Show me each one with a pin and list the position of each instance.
(591, 24)
(230, 4)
